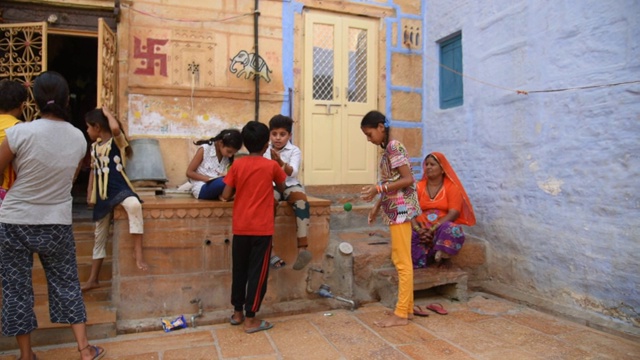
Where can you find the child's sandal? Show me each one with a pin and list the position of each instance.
(99, 352)
(276, 263)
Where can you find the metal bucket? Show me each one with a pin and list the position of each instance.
(146, 163)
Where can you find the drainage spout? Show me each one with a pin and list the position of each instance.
(200, 311)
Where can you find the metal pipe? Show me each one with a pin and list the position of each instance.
(325, 291)
(256, 58)
(353, 303)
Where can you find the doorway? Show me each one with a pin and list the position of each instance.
(76, 59)
(340, 77)
(87, 59)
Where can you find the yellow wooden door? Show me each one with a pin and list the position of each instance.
(107, 67)
(340, 72)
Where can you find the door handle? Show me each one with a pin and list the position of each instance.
(329, 107)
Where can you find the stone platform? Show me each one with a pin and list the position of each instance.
(187, 244)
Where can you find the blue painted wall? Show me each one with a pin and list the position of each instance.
(554, 176)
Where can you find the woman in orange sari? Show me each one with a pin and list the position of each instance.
(437, 234)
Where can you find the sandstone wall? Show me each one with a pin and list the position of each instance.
(178, 82)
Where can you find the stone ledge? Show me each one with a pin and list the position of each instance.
(165, 207)
(450, 282)
(425, 278)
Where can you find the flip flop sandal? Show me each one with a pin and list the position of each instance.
(437, 308)
(264, 325)
(276, 263)
(100, 352)
(417, 311)
(303, 259)
(233, 321)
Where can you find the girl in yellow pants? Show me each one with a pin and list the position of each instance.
(399, 203)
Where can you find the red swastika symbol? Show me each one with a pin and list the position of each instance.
(151, 59)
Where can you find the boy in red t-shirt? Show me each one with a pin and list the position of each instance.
(252, 177)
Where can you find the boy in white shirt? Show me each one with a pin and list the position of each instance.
(289, 157)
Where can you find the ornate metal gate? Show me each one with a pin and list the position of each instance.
(23, 56)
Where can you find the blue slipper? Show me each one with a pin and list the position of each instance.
(303, 259)
(264, 325)
(233, 321)
(100, 352)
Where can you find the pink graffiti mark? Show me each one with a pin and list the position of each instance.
(150, 56)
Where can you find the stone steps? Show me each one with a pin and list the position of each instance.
(101, 324)
(101, 315)
(375, 278)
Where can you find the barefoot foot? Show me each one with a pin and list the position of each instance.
(392, 320)
(90, 285)
(140, 263)
(391, 313)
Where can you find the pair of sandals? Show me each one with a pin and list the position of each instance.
(435, 307)
(303, 259)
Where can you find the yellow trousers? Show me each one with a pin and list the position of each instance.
(401, 257)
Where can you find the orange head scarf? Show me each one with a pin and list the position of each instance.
(466, 217)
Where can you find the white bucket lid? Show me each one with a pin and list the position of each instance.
(345, 248)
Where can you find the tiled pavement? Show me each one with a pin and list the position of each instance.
(483, 328)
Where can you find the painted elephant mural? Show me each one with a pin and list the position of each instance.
(247, 60)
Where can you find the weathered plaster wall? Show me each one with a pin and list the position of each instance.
(162, 42)
(177, 81)
(553, 176)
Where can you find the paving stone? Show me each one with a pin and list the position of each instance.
(398, 335)
(604, 344)
(298, 333)
(541, 322)
(555, 349)
(149, 356)
(463, 334)
(435, 350)
(509, 332)
(519, 354)
(489, 306)
(234, 342)
(157, 341)
(194, 353)
(353, 339)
